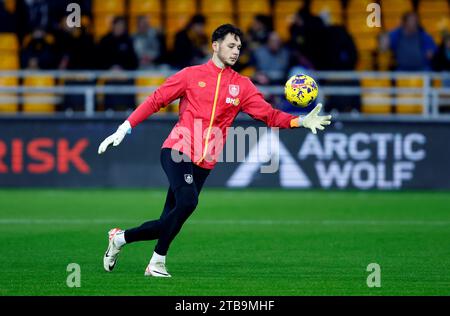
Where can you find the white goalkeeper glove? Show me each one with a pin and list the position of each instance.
(116, 138)
(313, 121)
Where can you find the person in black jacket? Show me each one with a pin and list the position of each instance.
(115, 50)
(441, 60)
(191, 44)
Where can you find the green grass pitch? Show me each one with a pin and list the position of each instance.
(238, 242)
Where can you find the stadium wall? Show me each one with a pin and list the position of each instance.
(366, 154)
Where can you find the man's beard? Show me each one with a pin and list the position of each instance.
(224, 61)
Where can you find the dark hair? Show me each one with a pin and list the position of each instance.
(197, 19)
(221, 32)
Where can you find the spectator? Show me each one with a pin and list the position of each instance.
(38, 51)
(75, 46)
(256, 35)
(7, 20)
(116, 51)
(147, 43)
(441, 60)
(33, 14)
(412, 47)
(308, 39)
(191, 43)
(340, 51)
(259, 31)
(271, 61)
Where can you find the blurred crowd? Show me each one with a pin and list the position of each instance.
(48, 43)
(312, 43)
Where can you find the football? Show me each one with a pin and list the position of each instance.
(301, 90)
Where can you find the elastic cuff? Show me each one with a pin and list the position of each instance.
(295, 122)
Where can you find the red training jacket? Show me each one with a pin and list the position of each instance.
(210, 100)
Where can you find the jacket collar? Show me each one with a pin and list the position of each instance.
(210, 64)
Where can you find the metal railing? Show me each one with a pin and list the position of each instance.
(432, 98)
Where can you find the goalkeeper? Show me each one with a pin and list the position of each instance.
(211, 96)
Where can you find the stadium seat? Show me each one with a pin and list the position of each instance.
(436, 26)
(148, 8)
(286, 7)
(102, 25)
(357, 7)
(365, 60)
(116, 7)
(39, 102)
(435, 8)
(244, 21)
(144, 82)
(384, 60)
(144, 7)
(10, 5)
(248, 9)
(395, 6)
(365, 42)
(245, 7)
(392, 11)
(331, 9)
(382, 105)
(174, 23)
(8, 101)
(177, 7)
(405, 108)
(213, 21)
(9, 61)
(208, 7)
(284, 11)
(390, 22)
(357, 24)
(9, 43)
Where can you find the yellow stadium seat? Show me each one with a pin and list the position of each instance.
(390, 22)
(144, 7)
(174, 24)
(181, 7)
(284, 12)
(109, 6)
(282, 24)
(244, 21)
(395, 6)
(248, 71)
(384, 60)
(433, 8)
(102, 25)
(369, 98)
(364, 42)
(216, 7)
(10, 100)
(405, 108)
(437, 83)
(332, 8)
(246, 7)
(365, 60)
(436, 24)
(214, 21)
(286, 7)
(358, 7)
(357, 24)
(9, 61)
(148, 82)
(9, 42)
(153, 19)
(38, 102)
(10, 5)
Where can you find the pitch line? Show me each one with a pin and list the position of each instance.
(47, 221)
